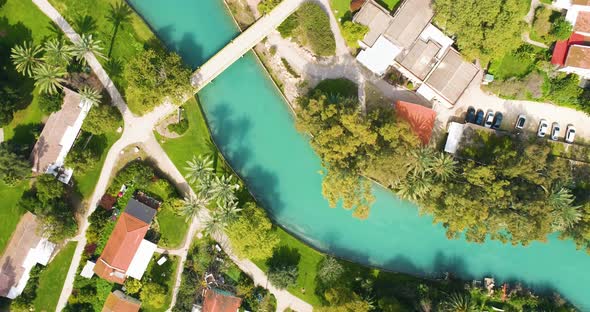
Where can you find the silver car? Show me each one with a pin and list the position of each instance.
(543, 128)
(489, 119)
(555, 129)
(520, 122)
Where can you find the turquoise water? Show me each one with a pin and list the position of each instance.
(254, 128)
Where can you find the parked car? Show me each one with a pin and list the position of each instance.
(570, 134)
(497, 121)
(479, 117)
(470, 117)
(520, 122)
(543, 127)
(489, 119)
(555, 129)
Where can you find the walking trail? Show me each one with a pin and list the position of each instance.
(139, 129)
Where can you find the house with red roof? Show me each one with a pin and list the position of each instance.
(217, 300)
(572, 55)
(420, 118)
(117, 301)
(127, 253)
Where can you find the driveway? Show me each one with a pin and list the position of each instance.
(534, 111)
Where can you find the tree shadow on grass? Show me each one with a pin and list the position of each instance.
(284, 256)
(85, 24)
(26, 135)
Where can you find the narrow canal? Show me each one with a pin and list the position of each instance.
(254, 128)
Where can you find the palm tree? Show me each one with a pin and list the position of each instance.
(223, 189)
(90, 94)
(458, 303)
(443, 166)
(420, 162)
(87, 45)
(565, 214)
(413, 188)
(119, 15)
(199, 170)
(192, 205)
(215, 224)
(229, 210)
(25, 58)
(57, 52)
(49, 78)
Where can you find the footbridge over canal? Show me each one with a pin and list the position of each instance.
(243, 43)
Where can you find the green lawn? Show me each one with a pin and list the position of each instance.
(340, 8)
(389, 4)
(512, 65)
(195, 141)
(10, 214)
(89, 16)
(29, 16)
(308, 265)
(164, 275)
(52, 279)
(172, 228)
(87, 181)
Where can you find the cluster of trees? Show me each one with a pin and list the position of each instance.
(155, 76)
(200, 261)
(14, 168)
(310, 27)
(507, 189)
(485, 29)
(564, 89)
(49, 200)
(351, 144)
(550, 25)
(48, 64)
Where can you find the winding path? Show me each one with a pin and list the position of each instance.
(140, 130)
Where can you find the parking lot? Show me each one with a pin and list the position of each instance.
(534, 112)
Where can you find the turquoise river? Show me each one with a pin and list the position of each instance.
(254, 128)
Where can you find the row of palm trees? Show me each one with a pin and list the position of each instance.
(210, 188)
(48, 63)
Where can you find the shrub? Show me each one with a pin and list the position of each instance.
(81, 160)
(179, 127)
(50, 103)
(330, 270)
(310, 27)
(353, 33)
(153, 295)
(162, 189)
(283, 276)
(563, 90)
(289, 69)
(266, 6)
(132, 286)
(135, 173)
(102, 119)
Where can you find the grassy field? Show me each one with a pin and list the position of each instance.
(52, 279)
(341, 8)
(512, 65)
(164, 275)
(28, 16)
(9, 214)
(194, 142)
(90, 16)
(308, 265)
(172, 227)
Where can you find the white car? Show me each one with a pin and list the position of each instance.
(543, 127)
(520, 122)
(570, 134)
(489, 119)
(555, 129)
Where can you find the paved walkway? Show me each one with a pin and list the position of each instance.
(243, 43)
(140, 130)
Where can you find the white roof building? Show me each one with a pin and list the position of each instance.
(380, 56)
(141, 259)
(455, 134)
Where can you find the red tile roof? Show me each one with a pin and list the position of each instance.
(421, 119)
(117, 301)
(121, 247)
(578, 56)
(559, 53)
(563, 47)
(216, 301)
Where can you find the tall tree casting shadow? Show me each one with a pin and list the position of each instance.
(119, 15)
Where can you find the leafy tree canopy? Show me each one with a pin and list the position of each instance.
(102, 119)
(251, 235)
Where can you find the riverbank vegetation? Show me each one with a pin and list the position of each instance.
(309, 26)
(519, 199)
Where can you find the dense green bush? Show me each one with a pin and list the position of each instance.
(310, 27)
(564, 90)
(13, 167)
(549, 26)
(353, 33)
(266, 6)
(50, 103)
(102, 119)
(180, 127)
(135, 173)
(81, 160)
(25, 302)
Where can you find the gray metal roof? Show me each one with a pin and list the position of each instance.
(376, 18)
(452, 76)
(140, 211)
(409, 21)
(420, 59)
